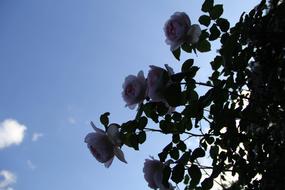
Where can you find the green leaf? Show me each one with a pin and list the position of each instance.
(214, 33)
(173, 95)
(207, 184)
(205, 20)
(181, 146)
(142, 122)
(216, 12)
(218, 61)
(177, 53)
(186, 179)
(165, 176)
(186, 47)
(204, 46)
(195, 175)
(223, 24)
(197, 153)
(207, 5)
(174, 153)
(178, 173)
(184, 158)
(192, 71)
(161, 108)
(175, 138)
(214, 152)
(187, 65)
(134, 141)
(141, 137)
(104, 119)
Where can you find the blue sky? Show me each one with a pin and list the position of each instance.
(62, 64)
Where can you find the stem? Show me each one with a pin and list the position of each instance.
(212, 86)
(175, 132)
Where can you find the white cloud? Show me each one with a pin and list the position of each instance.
(36, 136)
(7, 179)
(31, 165)
(71, 120)
(11, 133)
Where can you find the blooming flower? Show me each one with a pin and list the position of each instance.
(193, 34)
(153, 173)
(157, 81)
(176, 29)
(105, 145)
(134, 89)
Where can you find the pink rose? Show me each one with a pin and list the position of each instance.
(194, 34)
(153, 173)
(157, 81)
(176, 29)
(104, 146)
(134, 90)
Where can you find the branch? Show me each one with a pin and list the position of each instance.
(175, 132)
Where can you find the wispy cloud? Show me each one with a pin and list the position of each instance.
(11, 133)
(31, 165)
(71, 120)
(36, 136)
(7, 178)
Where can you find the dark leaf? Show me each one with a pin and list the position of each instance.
(174, 153)
(216, 12)
(173, 95)
(195, 175)
(223, 24)
(205, 20)
(214, 32)
(178, 173)
(207, 5)
(187, 65)
(177, 53)
(186, 47)
(165, 176)
(204, 46)
(207, 184)
(142, 122)
(197, 153)
(104, 119)
(142, 137)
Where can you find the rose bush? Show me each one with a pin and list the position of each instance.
(134, 90)
(105, 145)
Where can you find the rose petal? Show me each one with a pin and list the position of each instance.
(108, 163)
(114, 134)
(97, 129)
(120, 155)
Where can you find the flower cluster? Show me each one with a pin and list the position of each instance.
(105, 145)
(136, 88)
(178, 30)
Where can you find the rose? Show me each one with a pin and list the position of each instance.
(193, 34)
(105, 145)
(134, 90)
(176, 29)
(153, 173)
(158, 80)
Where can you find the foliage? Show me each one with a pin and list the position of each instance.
(244, 105)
